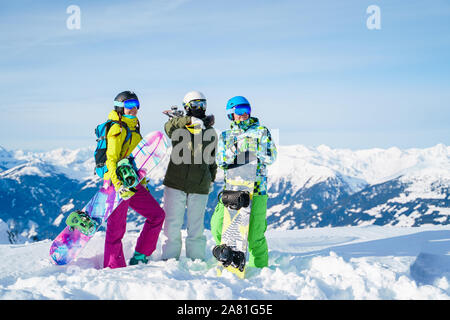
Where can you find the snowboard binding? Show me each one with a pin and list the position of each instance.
(235, 199)
(81, 221)
(227, 256)
(127, 174)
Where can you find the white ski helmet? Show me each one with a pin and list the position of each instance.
(193, 95)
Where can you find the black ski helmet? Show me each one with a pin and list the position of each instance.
(124, 96)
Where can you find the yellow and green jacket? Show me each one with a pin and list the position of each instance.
(116, 148)
(265, 148)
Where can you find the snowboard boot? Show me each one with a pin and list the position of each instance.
(138, 258)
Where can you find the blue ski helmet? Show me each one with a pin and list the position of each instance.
(237, 101)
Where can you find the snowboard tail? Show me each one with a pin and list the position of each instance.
(233, 270)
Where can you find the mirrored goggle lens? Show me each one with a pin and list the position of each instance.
(198, 104)
(242, 109)
(129, 104)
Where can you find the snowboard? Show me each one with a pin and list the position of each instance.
(237, 199)
(145, 157)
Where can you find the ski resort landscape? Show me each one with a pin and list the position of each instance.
(149, 148)
(342, 224)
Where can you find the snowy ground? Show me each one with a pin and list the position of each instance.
(329, 263)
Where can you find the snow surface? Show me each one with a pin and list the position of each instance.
(324, 263)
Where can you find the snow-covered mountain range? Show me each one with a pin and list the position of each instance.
(316, 187)
(308, 187)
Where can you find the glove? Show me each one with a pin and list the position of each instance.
(209, 121)
(126, 193)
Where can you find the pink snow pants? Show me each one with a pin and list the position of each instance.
(143, 203)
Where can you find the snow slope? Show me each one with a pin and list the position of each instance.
(322, 263)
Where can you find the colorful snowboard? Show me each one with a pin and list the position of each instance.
(147, 155)
(239, 177)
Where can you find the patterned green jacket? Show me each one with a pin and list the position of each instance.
(243, 136)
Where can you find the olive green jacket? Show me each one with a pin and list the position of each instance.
(192, 165)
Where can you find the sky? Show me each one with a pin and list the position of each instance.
(313, 71)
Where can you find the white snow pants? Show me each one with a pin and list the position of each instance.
(175, 204)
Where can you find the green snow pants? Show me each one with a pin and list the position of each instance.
(257, 244)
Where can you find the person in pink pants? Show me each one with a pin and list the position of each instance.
(143, 203)
(119, 146)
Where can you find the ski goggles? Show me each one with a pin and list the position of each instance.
(128, 104)
(242, 109)
(197, 104)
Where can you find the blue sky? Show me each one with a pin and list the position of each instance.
(313, 71)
